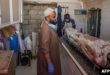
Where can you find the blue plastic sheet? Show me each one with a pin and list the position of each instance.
(14, 43)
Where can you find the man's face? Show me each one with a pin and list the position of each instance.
(52, 17)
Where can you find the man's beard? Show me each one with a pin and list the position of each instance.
(52, 22)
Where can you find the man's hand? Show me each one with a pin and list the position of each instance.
(51, 68)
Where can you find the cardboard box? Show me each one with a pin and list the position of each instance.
(7, 63)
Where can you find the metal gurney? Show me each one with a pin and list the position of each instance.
(96, 50)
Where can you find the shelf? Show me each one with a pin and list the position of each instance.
(8, 24)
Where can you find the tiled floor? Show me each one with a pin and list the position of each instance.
(26, 70)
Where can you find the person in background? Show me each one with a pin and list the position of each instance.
(68, 22)
(48, 62)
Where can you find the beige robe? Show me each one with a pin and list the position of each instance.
(48, 43)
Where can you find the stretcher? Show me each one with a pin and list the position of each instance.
(96, 50)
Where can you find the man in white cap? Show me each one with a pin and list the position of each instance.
(48, 50)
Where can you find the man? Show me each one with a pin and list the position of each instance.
(68, 22)
(48, 53)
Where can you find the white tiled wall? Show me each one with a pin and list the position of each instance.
(71, 7)
(105, 16)
(79, 19)
(105, 28)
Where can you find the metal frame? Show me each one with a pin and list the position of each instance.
(11, 11)
(0, 13)
(12, 22)
(73, 59)
(21, 11)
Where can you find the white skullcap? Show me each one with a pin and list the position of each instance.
(48, 11)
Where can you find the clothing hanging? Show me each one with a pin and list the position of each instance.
(59, 21)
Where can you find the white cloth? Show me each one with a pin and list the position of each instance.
(22, 48)
(48, 11)
(28, 43)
